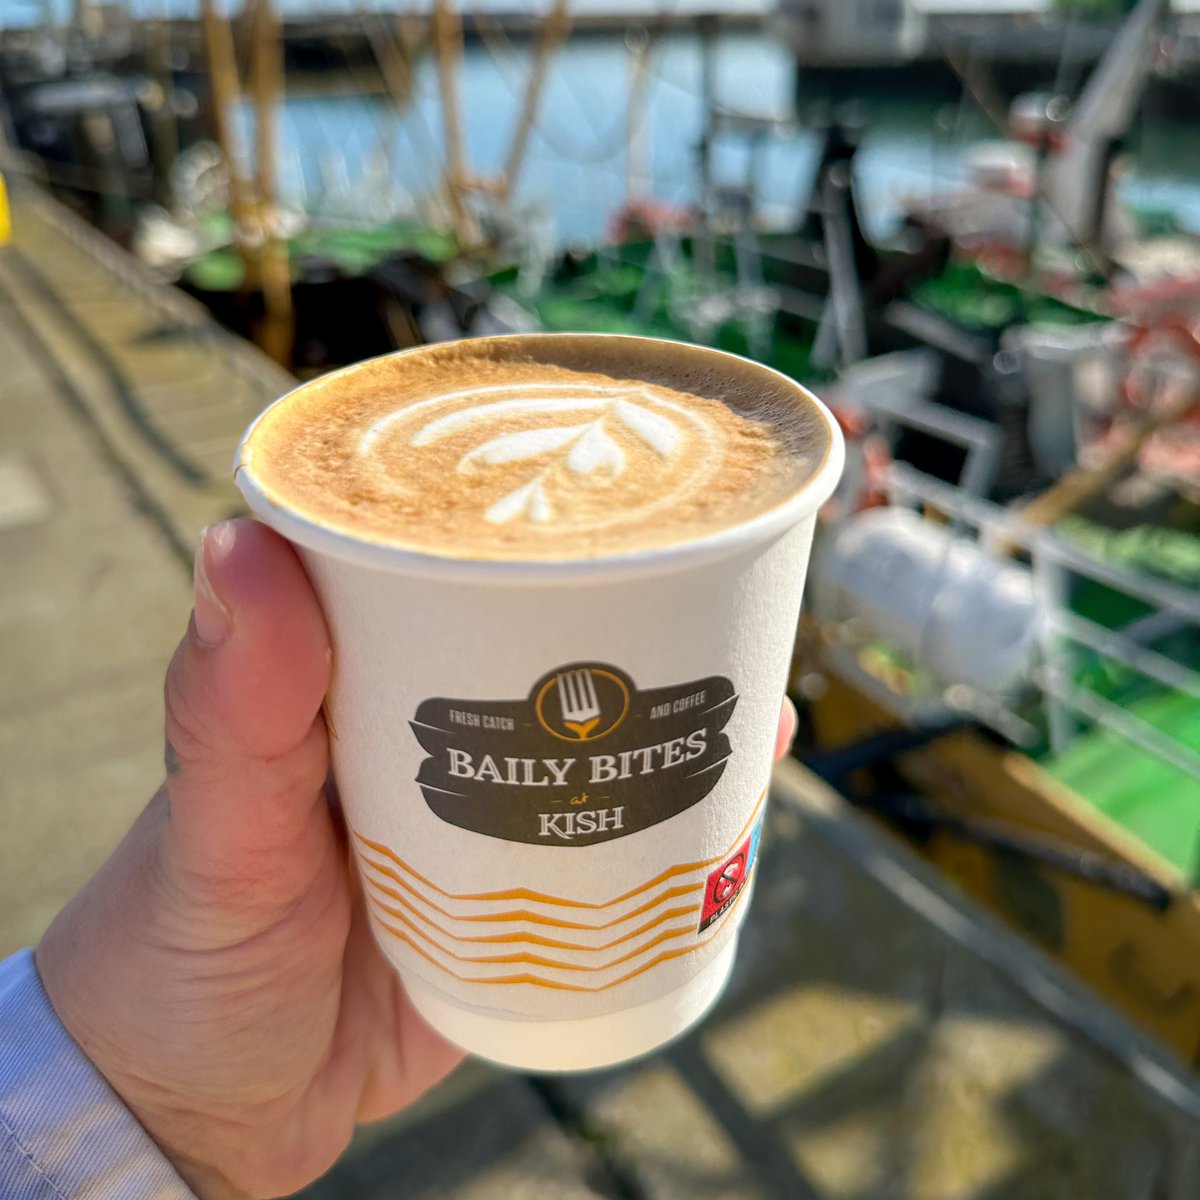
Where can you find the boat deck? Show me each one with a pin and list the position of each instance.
(882, 1040)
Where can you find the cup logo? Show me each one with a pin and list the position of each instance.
(582, 704)
(563, 456)
(586, 757)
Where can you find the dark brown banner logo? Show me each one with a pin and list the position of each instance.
(585, 758)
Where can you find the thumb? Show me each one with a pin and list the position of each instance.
(247, 750)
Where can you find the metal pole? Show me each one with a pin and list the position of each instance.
(707, 25)
(704, 251)
(166, 134)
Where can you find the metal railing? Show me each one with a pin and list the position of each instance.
(1054, 561)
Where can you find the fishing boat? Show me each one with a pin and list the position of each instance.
(354, 268)
(1001, 661)
(1045, 201)
(1020, 697)
(1002, 657)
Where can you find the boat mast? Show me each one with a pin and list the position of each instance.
(83, 20)
(223, 83)
(448, 39)
(278, 328)
(394, 47)
(554, 29)
(637, 156)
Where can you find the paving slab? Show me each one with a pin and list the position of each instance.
(498, 1142)
(666, 1136)
(95, 591)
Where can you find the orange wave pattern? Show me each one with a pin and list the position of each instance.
(397, 893)
(379, 890)
(554, 984)
(521, 914)
(533, 960)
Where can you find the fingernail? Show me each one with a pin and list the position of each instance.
(786, 735)
(791, 719)
(212, 619)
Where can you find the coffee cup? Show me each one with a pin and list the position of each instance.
(552, 732)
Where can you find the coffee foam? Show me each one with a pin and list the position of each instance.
(538, 447)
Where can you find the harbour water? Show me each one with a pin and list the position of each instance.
(578, 167)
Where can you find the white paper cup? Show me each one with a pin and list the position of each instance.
(554, 895)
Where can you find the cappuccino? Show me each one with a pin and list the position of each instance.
(539, 447)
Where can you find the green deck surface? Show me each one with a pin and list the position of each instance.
(1151, 799)
(1154, 801)
(631, 289)
(980, 302)
(355, 251)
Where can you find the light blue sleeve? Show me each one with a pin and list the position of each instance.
(64, 1133)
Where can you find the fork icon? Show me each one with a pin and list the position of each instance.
(577, 697)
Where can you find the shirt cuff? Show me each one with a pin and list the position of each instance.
(64, 1133)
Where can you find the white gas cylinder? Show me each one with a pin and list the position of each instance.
(968, 616)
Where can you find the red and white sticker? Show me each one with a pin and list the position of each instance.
(725, 883)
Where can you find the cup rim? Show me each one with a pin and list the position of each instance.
(388, 556)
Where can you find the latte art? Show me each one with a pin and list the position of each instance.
(530, 450)
(537, 447)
